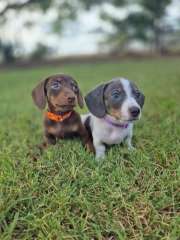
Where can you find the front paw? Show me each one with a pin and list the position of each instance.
(100, 151)
(50, 139)
(100, 156)
(131, 148)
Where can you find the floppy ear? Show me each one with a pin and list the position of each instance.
(95, 101)
(39, 96)
(141, 99)
(80, 99)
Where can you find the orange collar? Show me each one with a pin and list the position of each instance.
(56, 117)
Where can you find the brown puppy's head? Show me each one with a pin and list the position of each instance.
(119, 98)
(60, 91)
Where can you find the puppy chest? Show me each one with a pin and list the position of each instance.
(62, 130)
(114, 135)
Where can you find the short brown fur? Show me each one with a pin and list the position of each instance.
(58, 103)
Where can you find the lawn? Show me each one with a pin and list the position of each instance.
(67, 194)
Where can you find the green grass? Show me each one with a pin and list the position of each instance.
(67, 194)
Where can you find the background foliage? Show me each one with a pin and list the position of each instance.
(145, 22)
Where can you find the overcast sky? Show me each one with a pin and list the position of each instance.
(78, 36)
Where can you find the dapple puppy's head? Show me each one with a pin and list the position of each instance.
(119, 98)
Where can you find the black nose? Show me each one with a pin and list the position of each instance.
(135, 111)
(71, 99)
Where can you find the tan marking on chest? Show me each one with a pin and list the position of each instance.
(74, 127)
(55, 129)
(60, 129)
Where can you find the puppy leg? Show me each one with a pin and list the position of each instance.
(128, 139)
(86, 139)
(129, 142)
(49, 139)
(99, 148)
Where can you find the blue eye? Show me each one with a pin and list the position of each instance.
(56, 85)
(75, 88)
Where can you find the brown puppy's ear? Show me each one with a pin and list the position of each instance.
(95, 101)
(39, 96)
(80, 99)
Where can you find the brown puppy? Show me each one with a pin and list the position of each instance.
(61, 93)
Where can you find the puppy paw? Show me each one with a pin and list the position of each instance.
(100, 151)
(131, 148)
(100, 156)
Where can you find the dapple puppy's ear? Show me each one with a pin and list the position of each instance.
(38, 94)
(141, 99)
(95, 101)
(80, 99)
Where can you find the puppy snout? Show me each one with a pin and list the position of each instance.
(71, 100)
(134, 111)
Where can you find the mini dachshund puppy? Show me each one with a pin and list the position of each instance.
(61, 93)
(114, 107)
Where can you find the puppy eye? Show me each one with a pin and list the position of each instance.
(75, 88)
(56, 85)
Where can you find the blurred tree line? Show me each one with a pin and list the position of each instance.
(146, 22)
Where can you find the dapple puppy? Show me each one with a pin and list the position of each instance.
(61, 94)
(114, 107)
